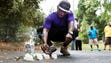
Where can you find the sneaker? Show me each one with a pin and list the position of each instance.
(64, 51)
(91, 49)
(104, 49)
(52, 49)
(98, 49)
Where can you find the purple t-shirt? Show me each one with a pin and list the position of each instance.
(54, 20)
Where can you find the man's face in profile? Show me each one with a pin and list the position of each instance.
(61, 13)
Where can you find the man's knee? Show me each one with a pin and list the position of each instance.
(68, 39)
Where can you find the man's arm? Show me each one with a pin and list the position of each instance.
(45, 46)
(45, 35)
(71, 27)
(71, 22)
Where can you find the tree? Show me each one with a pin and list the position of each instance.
(106, 5)
(15, 14)
(87, 15)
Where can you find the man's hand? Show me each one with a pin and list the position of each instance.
(45, 48)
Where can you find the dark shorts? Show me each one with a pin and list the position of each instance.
(55, 34)
(75, 34)
(108, 41)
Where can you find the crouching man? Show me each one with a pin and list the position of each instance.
(58, 27)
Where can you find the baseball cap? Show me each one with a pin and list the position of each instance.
(64, 6)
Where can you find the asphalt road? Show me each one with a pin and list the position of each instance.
(76, 57)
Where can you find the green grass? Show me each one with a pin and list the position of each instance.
(86, 47)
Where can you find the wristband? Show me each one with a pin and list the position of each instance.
(70, 32)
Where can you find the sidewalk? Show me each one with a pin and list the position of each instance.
(76, 57)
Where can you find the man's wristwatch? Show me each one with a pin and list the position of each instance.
(70, 32)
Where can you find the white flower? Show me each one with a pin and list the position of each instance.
(46, 56)
(38, 56)
(28, 57)
(54, 56)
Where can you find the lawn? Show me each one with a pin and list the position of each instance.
(86, 47)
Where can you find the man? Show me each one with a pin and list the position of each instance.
(75, 33)
(107, 31)
(58, 27)
(78, 43)
(92, 32)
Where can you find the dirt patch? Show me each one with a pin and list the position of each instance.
(14, 46)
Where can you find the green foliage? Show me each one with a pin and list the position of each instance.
(84, 28)
(87, 16)
(15, 14)
(107, 8)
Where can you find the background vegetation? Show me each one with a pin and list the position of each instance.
(19, 18)
(16, 18)
(93, 12)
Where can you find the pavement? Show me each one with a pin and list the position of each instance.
(75, 57)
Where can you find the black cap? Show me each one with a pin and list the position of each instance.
(91, 27)
(64, 6)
